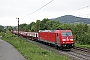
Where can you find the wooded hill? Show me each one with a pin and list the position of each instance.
(71, 19)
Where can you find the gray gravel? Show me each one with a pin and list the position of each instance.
(8, 52)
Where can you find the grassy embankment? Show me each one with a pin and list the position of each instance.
(83, 46)
(29, 50)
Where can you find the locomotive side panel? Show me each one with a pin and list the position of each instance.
(52, 37)
(47, 37)
(41, 36)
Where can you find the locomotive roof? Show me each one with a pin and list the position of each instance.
(46, 30)
(54, 30)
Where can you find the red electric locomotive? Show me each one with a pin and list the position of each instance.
(60, 38)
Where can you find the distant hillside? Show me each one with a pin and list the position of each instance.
(72, 19)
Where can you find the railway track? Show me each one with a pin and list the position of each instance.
(81, 49)
(76, 53)
(81, 53)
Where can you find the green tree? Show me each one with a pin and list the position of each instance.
(9, 28)
(38, 22)
(1, 28)
(43, 24)
(33, 26)
(23, 27)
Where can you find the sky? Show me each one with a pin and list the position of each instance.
(23, 9)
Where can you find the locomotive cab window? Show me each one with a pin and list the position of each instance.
(66, 34)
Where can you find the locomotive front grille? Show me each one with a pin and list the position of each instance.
(67, 45)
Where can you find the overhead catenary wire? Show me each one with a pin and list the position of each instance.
(62, 14)
(77, 9)
(84, 8)
(39, 8)
(86, 15)
(81, 8)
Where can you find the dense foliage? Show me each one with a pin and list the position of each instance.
(2, 28)
(80, 31)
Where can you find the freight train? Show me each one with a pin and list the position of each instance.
(59, 38)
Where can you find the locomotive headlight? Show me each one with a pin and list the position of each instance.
(64, 40)
(72, 45)
(71, 39)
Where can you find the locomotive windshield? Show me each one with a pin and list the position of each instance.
(66, 34)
